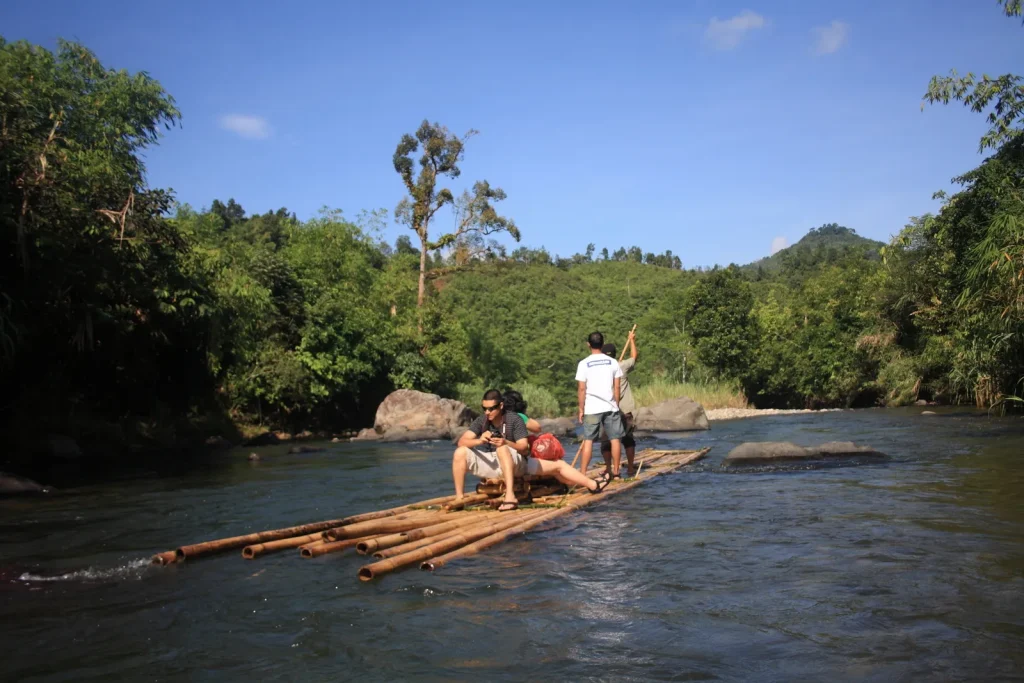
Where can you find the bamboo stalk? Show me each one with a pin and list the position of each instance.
(382, 526)
(466, 501)
(251, 552)
(314, 544)
(165, 558)
(325, 548)
(377, 569)
(225, 544)
(411, 545)
(391, 540)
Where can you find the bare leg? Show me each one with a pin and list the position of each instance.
(616, 456)
(565, 473)
(459, 471)
(588, 447)
(630, 455)
(606, 453)
(508, 473)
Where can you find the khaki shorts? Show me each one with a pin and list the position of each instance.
(484, 464)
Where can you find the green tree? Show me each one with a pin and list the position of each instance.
(717, 313)
(475, 213)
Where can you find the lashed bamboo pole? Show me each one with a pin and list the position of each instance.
(579, 502)
(466, 501)
(443, 526)
(389, 526)
(377, 569)
(325, 548)
(314, 544)
(411, 545)
(225, 544)
(251, 552)
(165, 558)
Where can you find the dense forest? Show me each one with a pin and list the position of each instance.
(125, 315)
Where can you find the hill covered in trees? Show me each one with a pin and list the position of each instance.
(828, 243)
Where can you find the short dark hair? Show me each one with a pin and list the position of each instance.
(493, 395)
(513, 401)
(609, 349)
(596, 340)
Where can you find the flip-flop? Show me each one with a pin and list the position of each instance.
(514, 504)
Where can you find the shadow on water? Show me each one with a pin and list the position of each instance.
(911, 568)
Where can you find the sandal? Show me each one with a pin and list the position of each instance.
(602, 484)
(514, 506)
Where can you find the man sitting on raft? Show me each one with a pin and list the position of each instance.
(496, 446)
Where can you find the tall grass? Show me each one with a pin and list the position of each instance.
(710, 395)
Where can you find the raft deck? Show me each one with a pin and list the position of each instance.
(432, 533)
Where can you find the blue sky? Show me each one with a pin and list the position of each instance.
(713, 129)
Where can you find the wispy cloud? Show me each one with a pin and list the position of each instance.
(252, 127)
(778, 244)
(725, 34)
(828, 39)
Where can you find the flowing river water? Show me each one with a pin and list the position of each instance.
(908, 569)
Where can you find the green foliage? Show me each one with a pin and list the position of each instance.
(717, 313)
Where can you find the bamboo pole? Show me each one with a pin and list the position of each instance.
(165, 558)
(383, 526)
(411, 545)
(626, 345)
(251, 552)
(225, 544)
(377, 569)
(391, 540)
(325, 548)
(314, 544)
(466, 501)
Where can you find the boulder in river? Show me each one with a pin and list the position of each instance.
(559, 426)
(427, 415)
(12, 485)
(368, 434)
(756, 452)
(681, 414)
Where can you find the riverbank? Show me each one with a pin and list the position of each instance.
(736, 413)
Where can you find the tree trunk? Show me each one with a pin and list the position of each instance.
(423, 280)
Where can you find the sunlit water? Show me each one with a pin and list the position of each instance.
(912, 569)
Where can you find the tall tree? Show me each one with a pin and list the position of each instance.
(1003, 95)
(475, 213)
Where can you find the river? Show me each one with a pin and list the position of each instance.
(908, 569)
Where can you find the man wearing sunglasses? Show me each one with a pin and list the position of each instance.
(496, 446)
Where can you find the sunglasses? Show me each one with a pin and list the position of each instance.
(488, 409)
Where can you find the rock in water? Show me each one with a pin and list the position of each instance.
(12, 484)
(427, 414)
(559, 426)
(368, 434)
(768, 451)
(681, 414)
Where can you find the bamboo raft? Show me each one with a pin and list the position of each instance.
(432, 533)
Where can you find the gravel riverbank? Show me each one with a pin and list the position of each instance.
(736, 413)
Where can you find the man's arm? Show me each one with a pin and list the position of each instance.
(581, 396)
(616, 384)
(522, 446)
(469, 439)
(632, 348)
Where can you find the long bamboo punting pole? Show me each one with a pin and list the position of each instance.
(251, 552)
(377, 569)
(575, 504)
(225, 544)
(448, 523)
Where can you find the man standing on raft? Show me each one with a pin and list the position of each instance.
(598, 380)
(626, 405)
(496, 446)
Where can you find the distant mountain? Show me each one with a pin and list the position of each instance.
(830, 241)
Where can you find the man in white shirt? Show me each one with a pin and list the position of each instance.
(598, 380)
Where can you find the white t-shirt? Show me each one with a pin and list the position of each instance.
(599, 372)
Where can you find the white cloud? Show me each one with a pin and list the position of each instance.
(725, 34)
(778, 244)
(828, 39)
(253, 127)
